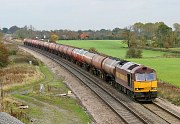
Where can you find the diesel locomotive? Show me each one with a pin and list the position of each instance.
(135, 80)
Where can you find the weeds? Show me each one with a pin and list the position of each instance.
(40, 101)
(12, 107)
(18, 74)
(169, 92)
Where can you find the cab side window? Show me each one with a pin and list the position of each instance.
(129, 79)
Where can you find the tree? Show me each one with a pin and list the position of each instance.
(164, 36)
(117, 33)
(21, 34)
(131, 40)
(177, 33)
(149, 30)
(127, 35)
(138, 29)
(130, 37)
(54, 38)
(25, 32)
(13, 29)
(5, 30)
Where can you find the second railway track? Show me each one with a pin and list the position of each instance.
(163, 113)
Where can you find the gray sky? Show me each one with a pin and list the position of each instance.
(86, 14)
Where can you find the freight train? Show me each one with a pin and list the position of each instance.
(135, 80)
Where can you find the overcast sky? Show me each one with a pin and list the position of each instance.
(86, 14)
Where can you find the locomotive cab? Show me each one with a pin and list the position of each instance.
(145, 83)
(137, 81)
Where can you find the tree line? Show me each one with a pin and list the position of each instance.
(137, 35)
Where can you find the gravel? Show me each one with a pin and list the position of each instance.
(8, 119)
(99, 111)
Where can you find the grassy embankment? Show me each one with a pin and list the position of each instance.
(21, 84)
(167, 69)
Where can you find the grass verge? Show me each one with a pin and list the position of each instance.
(63, 109)
(169, 92)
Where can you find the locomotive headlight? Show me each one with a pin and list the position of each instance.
(139, 89)
(136, 89)
(153, 88)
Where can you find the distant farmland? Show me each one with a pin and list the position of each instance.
(168, 69)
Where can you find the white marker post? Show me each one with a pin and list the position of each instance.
(42, 88)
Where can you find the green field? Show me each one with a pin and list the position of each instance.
(168, 69)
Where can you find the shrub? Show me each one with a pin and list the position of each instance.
(13, 52)
(25, 59)
(3, 55)
(94, 50)
(134, 53)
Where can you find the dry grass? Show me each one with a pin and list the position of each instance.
(23, 57)
(18, 74)
(12, 107)
(169, 92)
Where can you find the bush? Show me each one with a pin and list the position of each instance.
(94, 50)
(134, 53)
(3, 55)
(25, 59)
(12, 52)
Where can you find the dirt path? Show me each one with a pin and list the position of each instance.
(48, 113)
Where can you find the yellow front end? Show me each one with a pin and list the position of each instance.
(145, 90)
(145, 86)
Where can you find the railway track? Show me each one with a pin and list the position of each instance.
(120, 107)
(165, 114)
(124, 112)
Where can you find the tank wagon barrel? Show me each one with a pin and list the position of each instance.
(88, 57)
(70, 50)
(97, 61)
(108, 65)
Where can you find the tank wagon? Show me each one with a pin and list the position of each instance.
(135, 80)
